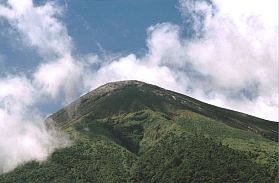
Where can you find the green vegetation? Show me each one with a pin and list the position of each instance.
(141, 133)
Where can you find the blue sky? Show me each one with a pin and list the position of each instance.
(99, 26)
(115, 27)
(223, 52)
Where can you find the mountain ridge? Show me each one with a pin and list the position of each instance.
(139, 133)
(186, 103)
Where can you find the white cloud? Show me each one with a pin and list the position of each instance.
(131, 68)
(238, 48)
(38, 26)
(20, 126)
(165, 45)
(63, 75)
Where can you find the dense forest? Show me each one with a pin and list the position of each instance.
(141, 133)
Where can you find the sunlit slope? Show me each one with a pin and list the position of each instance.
(134, 132)
(131, 96)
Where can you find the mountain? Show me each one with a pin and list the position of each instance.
(130, 131)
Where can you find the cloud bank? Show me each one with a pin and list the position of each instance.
(238, 51)
(23, 135)
(230, 61)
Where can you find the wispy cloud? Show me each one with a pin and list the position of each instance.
(23, 136)
(238, 51)
(21, 127)
(38, 26)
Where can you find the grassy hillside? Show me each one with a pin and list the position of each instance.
(134, 132)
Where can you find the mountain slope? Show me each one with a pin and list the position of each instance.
(131, 131)
(131, 96)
